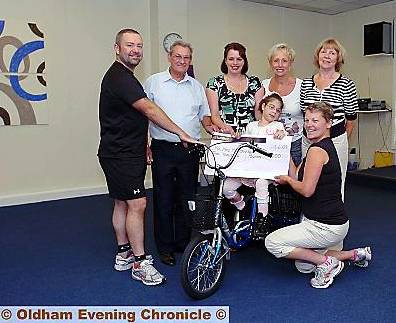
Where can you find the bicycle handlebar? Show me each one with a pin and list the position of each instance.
(261, 151)
(250, 145)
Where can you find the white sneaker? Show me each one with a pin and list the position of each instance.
(304, 267)
(122, 264)
(325, 273)
(362, 257)
(146, 273)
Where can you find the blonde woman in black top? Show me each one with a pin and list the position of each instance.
(316, 243)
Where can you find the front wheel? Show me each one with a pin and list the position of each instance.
(202, 270)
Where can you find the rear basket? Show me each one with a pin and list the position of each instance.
(284, 202)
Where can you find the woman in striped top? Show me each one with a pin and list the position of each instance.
(330, 86)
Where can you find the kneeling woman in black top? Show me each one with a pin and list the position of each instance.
(316, 243)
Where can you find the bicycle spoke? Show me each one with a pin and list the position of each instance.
(203, 274)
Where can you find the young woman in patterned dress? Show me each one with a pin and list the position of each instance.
(234, 96)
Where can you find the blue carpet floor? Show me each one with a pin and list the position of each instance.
(62, 252)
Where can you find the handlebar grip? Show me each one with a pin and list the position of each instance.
(261, 151)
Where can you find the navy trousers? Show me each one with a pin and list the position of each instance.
(174, 173)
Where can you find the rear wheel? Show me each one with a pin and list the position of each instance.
(202, 271)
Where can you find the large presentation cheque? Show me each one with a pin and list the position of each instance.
(250, 164)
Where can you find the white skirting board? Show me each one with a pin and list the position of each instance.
(18, 199)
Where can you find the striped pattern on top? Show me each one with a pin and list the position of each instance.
(341, 95)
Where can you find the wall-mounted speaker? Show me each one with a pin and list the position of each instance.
(378, 38)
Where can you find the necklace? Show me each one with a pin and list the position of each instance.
(282, 87)
(237, 87)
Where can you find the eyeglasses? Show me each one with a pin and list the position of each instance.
(180, 58)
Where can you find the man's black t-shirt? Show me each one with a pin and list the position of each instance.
(123, 129)
(325, 205)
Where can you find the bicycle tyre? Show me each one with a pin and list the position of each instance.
(190, 273)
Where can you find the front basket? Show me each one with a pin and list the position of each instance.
(203, 212)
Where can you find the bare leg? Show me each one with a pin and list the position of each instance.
(119, 219)
(236, 198)
(342, 255)
(308, 255)
(135, 224)
(119, 224)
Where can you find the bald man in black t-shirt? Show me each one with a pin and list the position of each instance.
(124, 111)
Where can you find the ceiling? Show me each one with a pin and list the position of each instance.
(328, 7)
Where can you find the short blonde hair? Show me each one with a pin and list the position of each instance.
(333, 44)
(281, 47)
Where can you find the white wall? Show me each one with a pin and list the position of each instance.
(374, 77)
(210, 25)
(41, 162)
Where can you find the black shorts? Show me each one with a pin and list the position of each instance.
(125, 177)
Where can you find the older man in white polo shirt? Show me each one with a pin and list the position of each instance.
(175, 166)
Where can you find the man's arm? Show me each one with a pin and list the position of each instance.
(208, 125)
(154, 113)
